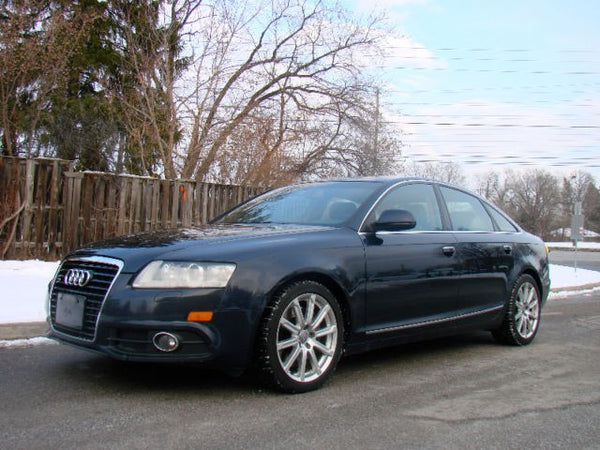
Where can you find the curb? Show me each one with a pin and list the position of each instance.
(583, 287)
(572, 249)
(12, 331)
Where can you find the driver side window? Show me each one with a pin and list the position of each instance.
(418, 199)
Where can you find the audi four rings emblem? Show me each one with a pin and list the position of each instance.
(77, 277)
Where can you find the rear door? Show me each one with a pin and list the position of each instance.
(485, 252)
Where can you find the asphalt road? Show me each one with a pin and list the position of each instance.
(585, 259)
(463, 392)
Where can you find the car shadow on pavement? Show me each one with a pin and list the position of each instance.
(434, 350)
(89, 371)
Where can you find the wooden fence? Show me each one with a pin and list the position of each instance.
(47, 209)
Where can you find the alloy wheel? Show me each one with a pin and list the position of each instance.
(527, 310)
(307, 337)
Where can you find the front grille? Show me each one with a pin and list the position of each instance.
(93, 294)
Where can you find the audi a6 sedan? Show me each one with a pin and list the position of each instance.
(287, 282)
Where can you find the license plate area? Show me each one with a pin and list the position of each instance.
(70, 310)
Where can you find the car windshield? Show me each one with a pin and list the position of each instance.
(328, 203)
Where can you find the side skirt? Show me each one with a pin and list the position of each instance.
(427, 323)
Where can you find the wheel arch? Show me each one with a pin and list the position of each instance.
(266, 354)
(510, 329)
(329, 282)
(538, 281)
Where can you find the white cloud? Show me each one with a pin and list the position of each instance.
(467, 107)
(368, 5)
(402, 50)
(483, 135)
(398, 51)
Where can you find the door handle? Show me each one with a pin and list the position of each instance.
(508, 249)
(448, 250)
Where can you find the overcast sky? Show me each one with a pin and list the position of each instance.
(493, 85)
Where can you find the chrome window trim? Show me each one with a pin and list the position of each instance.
(433, 184)
(484, 232)
(93, 259)
(408, 232)
(405, 232)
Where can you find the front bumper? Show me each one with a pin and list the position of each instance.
(133, 340)
(108, 316)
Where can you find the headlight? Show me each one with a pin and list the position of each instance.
(184, 274)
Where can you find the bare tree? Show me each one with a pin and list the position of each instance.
(591, 208)
(574, 189)
(495, 186)
(580, 188)
(257, 152)
(258, 91)
(442, 171)
(260, 62)
(532, 198)
(534, 201)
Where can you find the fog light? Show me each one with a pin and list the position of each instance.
(165, 342)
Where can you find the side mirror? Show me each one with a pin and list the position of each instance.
(395, 220)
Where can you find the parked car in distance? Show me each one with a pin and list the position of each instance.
(288, 282)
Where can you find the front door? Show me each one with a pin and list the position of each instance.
(411, 275)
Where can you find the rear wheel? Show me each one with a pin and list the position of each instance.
(522, 317)
(300, 338)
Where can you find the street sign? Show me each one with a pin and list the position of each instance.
(577, 227)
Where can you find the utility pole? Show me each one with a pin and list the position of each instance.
(577, 226)
(375, 164)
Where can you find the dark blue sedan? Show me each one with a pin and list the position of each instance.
(289, 281)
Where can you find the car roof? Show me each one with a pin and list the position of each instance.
(388, 179)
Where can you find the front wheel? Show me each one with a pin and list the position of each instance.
(300, 338)
(522, 317)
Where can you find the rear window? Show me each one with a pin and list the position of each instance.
(466, 211)
(502, 222)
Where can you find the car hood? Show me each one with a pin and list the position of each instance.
(138, 249)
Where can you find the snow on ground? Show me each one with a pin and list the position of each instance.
(31, 342)
(23, 287)
(567, 277)
(580, 245)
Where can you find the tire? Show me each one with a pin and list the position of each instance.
(300, 338)
(522, 318)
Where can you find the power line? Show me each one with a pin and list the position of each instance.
(502, 125)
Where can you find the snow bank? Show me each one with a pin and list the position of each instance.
(23, 287)
(31, 342)
(567, 277)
